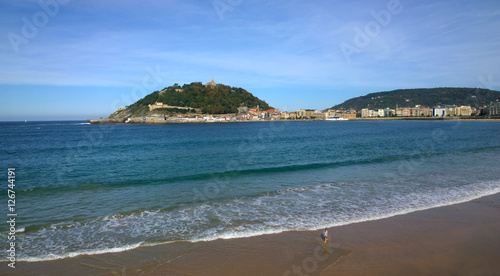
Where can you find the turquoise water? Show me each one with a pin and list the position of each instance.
(88, 189)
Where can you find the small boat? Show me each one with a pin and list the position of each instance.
(335, 118)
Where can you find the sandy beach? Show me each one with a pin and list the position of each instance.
(461, 239)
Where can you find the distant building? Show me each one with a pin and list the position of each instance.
(404, 111)
(365, 113)
(388, 112)
(254, 110)
(347, 114)
(318, 114)
(159, 105)
(268, 114)
(155, 106)
(494, 109)
(310, 112)
(424, 112)
(331, 112)
(419, 111)
(451, 110)
(211, 84)
(305, 113)
(438, 112)
(254, 113)
(465, 111)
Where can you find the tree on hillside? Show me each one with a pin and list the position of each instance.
(219, 99)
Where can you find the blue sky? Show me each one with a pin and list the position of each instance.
(68, 59)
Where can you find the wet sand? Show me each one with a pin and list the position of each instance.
(462, 239)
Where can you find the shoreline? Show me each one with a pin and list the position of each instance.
(459, 239)
(252, 235)
(167, 122)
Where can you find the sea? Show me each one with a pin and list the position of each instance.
(91, 189)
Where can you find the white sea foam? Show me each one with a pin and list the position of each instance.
(307, 208)
(51, 257)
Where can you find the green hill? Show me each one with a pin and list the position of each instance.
(429, 97)
(196, 98)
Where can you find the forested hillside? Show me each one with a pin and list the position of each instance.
(211, 99)
(429, 97)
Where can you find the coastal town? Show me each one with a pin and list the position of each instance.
(161, 112)
(256, 114)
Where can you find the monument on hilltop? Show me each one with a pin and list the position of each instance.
(212, 83)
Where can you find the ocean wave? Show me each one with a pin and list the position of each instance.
(89, 186)
(294, 209)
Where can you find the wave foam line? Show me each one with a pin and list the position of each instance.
(53, 257)
(444, 203)
(246, 234)
(478, 195)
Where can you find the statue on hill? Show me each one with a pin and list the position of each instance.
(212, 83)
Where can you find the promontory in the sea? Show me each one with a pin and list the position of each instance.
(191, 103)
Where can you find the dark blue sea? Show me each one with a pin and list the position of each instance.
(89, 189)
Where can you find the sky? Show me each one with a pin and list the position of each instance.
(77, 60)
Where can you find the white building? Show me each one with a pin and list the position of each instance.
(439, 112)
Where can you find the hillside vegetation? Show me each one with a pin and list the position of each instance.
(219, 99)
(429, 97)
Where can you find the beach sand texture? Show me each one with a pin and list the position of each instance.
(461, 239)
